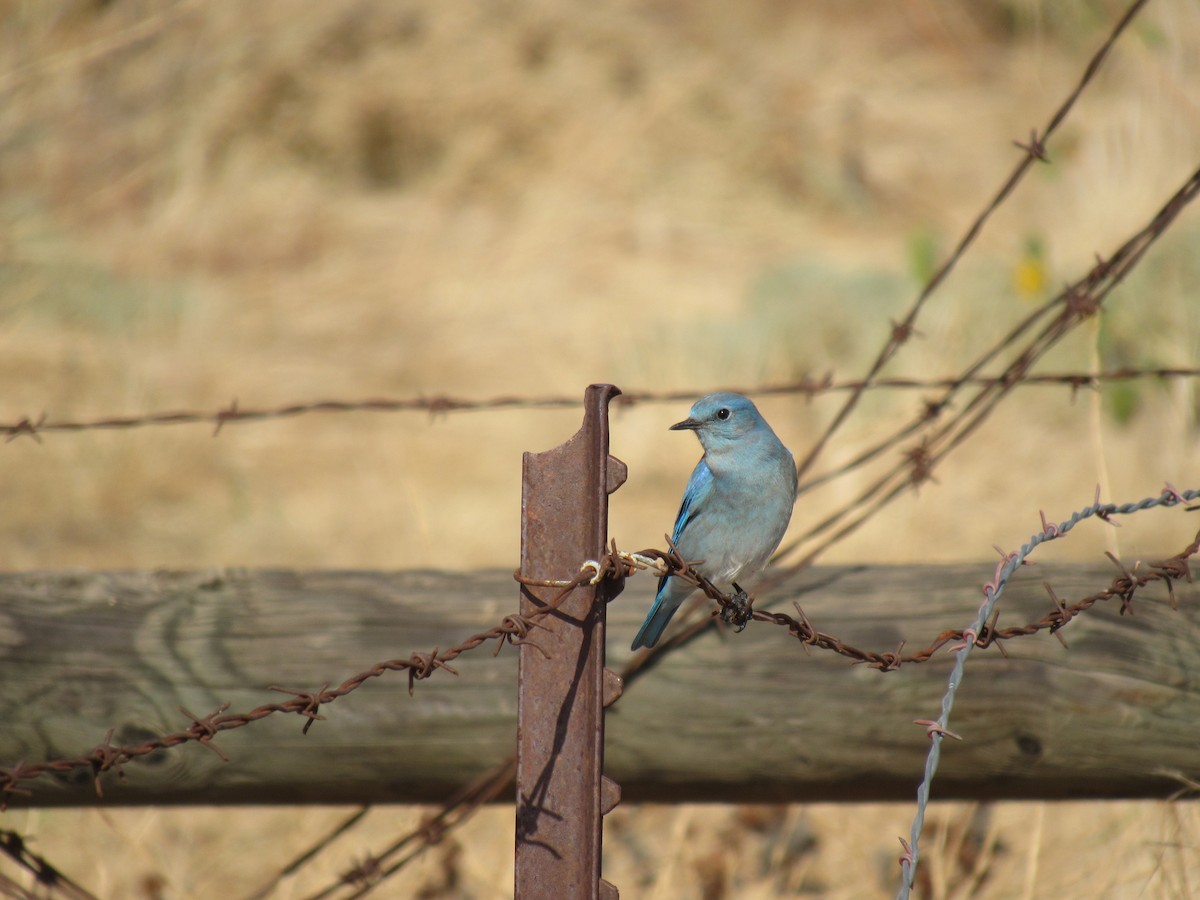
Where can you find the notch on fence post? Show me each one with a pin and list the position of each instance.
(563, 685)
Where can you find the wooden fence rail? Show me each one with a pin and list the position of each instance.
(729, 717)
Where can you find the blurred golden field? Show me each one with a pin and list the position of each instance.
(283, 201)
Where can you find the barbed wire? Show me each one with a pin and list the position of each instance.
(916, 467)
(1124, 587)
(902, 331)
(374, 869)
(1075, 304)
(308, 855)
(516, 629)
(364, 876)
(367, 874)
(440, 405)
(1035, 151)
(513, 629)
(738, 611)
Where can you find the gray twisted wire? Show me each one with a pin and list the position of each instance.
(992, 592)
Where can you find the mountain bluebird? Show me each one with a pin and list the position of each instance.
(736, 507)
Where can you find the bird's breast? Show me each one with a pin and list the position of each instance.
(741, 524)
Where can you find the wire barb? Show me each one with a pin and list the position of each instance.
(312, 702)
(1036, 148)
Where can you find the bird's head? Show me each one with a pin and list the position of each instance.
(720, 420)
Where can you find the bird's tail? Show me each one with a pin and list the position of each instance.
(665, 603)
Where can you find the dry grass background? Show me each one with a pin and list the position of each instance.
(284, 201)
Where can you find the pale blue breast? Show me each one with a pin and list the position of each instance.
(742, 522)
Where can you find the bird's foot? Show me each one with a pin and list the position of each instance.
(738, 610)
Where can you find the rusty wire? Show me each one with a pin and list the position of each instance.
(370, 870)
(442, 404)
(737, 613)
(375, 868)
(513, 629)
(307, 856)
(1076, 303)
(367, 874)
(1034, 151)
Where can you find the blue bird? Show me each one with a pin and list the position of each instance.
(736, 507)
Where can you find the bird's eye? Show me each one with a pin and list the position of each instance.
(723, 414)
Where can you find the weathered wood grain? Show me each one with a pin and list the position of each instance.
(747, 716)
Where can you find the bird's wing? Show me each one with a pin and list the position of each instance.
(698, 487)
(671, 592)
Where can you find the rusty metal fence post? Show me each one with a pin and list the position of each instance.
(562, 793)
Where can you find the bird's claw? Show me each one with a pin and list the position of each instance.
(737, 612)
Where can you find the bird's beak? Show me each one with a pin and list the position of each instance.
(686, 425)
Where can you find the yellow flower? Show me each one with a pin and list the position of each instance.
(1029, 275)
